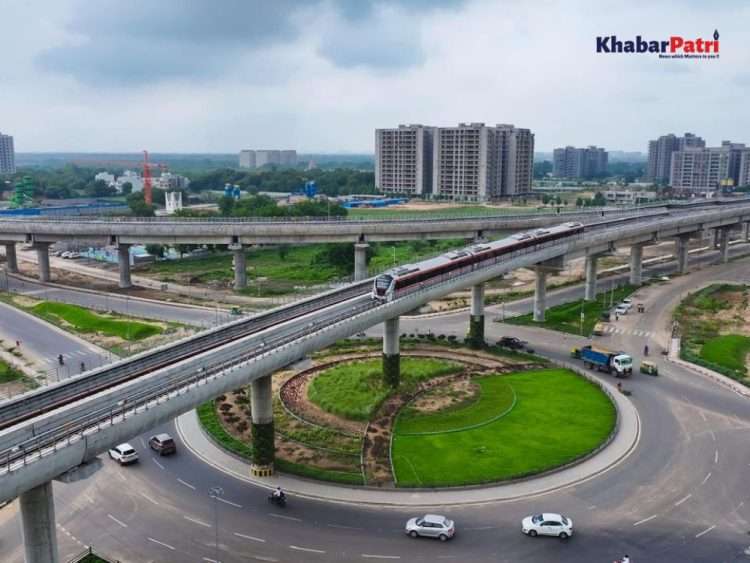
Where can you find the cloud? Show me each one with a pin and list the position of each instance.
(115, 43)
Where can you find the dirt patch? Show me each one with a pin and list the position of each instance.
(449, 396)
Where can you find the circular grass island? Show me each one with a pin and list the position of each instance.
(458, 417)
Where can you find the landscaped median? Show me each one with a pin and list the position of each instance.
(567, 317)
(715, 327)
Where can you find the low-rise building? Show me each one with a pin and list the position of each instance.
(628, 197)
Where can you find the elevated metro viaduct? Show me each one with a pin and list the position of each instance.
(41, 232)
(64, 443)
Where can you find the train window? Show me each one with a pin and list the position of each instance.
(383, 282)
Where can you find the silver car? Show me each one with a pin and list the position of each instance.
(432, 526)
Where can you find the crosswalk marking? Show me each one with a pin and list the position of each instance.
(632, 332)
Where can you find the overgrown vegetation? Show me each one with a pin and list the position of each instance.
(8, 373)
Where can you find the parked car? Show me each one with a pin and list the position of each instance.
(622, 309)
(512, 342)
(163, 444)
(431, 526)
(66, 254)
(124, 454)
(547, 524)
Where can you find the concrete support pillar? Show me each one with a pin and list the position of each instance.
(590, 292)
(681, 253)
(360, 261)
(391, 353)
(10, 257)
(38, 525)
(636, 264)
(723, 237)
(42, 254)
(540, 294)
(261, 408)
(123, 260)
(476, 318)
(240, 267)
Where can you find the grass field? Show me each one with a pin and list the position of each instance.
(567, 317)
(86, 321)
(355, 390)
(558, 417)
(730, 351)
(8, 374)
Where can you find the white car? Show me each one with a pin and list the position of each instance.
(124, 454)
(547, 524)
(622, 309)
(432, 526)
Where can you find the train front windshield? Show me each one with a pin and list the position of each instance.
(382, 283)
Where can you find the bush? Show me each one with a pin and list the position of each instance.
(225, 407)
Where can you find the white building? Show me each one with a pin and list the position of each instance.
(7, 155)
(129, 176)
(628, 197)
(258, 158)
(169, 181)
(106, 177)
(173, 202)
(247, 159)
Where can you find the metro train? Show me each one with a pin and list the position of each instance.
(397, 281)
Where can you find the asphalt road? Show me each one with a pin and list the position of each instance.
(681, 496)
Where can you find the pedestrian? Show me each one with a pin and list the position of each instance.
(617, 317)
(18, 343)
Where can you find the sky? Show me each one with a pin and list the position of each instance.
(321, 75)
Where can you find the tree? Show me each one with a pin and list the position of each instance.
(599, 200)
(138, 206)
(99, 188)
(340, 256)
(127, 188)
(226, 205)
(155, 250)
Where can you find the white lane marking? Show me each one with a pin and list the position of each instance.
(370, 556)
(713, 436)
(482, 528)
(704, 532)
(342, 527)
(251, 538)
(706, 478)
(716, 456)
(143, 444)
(88, 498)
(120, 475)
(703, 416)
(645, 520)
(229, 502)
(292, 518)
(148, 498)
(209, 560)
(261, 558)
(592, 507)
(186, 484)
(194, 521)
(161, 543)
(683, 499)
(120, 522)
(157, 462)
(307, 549)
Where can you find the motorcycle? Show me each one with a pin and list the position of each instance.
(279, 501)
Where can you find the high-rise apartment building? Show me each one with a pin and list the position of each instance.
(705, 169)
(259, 158)
(744, 173)
(660, 154)
(570, 162)
(7, 155)
(472, 162)
(403, 159)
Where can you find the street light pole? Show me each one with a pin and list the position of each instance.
(215, 493)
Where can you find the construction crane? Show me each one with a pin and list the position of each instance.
(147, 177)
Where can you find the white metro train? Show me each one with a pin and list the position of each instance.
(400, 280)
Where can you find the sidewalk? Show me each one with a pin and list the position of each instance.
(623, 443)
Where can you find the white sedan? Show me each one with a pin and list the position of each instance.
(124, 454)
(547, 524)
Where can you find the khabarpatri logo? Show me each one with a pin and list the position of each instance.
(676, 47)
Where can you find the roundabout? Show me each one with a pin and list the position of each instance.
(458, 417)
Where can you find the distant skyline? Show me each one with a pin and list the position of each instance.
(319, 76)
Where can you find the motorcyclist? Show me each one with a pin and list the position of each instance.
(278, 493)
(625, 559)
(83, 367)
(60, 359)
(645, 350)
